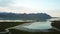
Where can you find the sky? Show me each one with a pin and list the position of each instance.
(51, 7)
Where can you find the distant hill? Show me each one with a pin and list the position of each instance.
(14, 16)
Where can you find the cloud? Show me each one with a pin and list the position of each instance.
(22, 7)
(4, 3)
(53, 13)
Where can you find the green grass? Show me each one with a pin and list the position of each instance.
(4, 25)
(15, 31)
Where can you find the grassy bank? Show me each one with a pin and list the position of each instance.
(4, 25)
(15, 31)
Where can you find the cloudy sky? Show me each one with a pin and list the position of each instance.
(51, 7)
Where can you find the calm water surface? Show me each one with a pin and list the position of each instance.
(39, 25)
(36, 26)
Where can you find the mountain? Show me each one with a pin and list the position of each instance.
(32, 16)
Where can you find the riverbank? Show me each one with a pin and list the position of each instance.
(56, 25)
(5, 25)
(15, 31)
(21, 30)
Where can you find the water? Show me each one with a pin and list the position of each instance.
(39, 25)
(42, 26)
(36, 26)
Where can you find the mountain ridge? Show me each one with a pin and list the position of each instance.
(32, 16)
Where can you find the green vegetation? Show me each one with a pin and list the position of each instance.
(4, 25)
(15, 31)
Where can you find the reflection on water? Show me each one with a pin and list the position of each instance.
(39, 25)
(36, 26)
